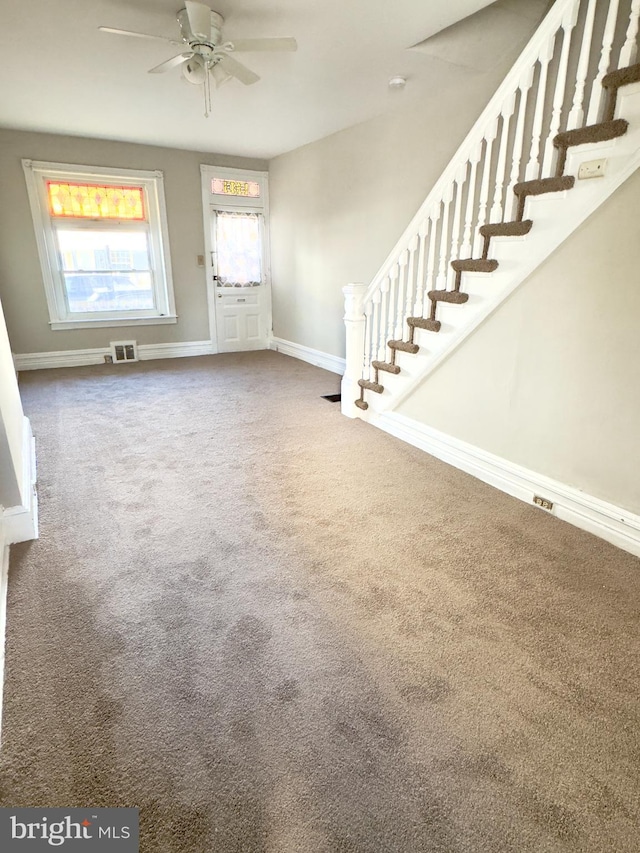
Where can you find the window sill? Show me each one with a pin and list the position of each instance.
(57, 325)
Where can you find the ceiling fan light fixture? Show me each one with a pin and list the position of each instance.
(194, 70)
(219, 75)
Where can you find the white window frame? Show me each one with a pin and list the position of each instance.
(37, 173)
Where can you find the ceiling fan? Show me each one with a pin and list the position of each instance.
(205, 54)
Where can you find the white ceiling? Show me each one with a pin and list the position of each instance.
(60, 74)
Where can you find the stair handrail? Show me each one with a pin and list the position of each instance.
(544, 34)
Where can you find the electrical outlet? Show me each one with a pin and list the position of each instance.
(592, 169)
(543, 502)
(200, 260)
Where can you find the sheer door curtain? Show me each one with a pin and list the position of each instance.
(239, 249)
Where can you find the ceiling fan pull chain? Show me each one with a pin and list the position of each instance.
(207, 92)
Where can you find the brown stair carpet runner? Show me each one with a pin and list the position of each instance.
(609, 128)
(582, 135)
(613, 81)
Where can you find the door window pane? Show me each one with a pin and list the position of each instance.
(106, 270)
(239, 249)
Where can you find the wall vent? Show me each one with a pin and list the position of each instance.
(124, 351)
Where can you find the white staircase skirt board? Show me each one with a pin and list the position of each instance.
(617, 526)
(4, 572)
(325, 360)
(20, 523)
(555, 216)
(85, 357)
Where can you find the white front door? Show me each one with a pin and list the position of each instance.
(238, 268)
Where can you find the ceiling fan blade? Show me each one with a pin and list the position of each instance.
(289, 44)
(238, 70)
(199, 17)
(137, 35)
(170, 63)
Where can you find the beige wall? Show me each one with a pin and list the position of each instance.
(339, 205)
(21, 287)
(551, 381)
(11, 428)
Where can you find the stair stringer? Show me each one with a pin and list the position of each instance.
(555, 217)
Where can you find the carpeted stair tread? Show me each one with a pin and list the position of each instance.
(452, 296)
(371, 386)
(544, 185)
(592, 133)
(424, 323)
(386, 366)
(622, 77)
(506, 229)
(541, 186)
(362, 404)
(404, 346)
(474, 265)
(613, 81)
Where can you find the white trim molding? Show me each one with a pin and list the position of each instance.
(20, 523)
(86, 357)
(46, 227)
(4, 583)
(618, 526)
(333, 363)
(147, 352)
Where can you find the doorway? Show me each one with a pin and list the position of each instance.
(236, 238)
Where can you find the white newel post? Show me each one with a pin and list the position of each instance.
(354, 321)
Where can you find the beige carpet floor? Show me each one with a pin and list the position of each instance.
(276, 629)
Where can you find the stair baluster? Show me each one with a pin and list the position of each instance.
(368, 313)
(456, 222)
(533, 167)
(524, 88)
(629, 52)
(489, 139)
(576, 114)
(402, 285)
(391, 320)
(568, 26)
(507, 112)
(466, 250)
(384, 310)
(376, 332)
(429, 283)
(441, 280)
(597, 92)
(411, 283)
(422, 236)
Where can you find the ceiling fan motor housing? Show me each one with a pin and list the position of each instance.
(201, 40)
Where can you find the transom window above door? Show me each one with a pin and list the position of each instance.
(103, 245)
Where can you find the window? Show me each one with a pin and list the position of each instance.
(238, 249)
(103, 245)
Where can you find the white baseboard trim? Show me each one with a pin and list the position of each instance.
(610, 522)
(147, 352)
(312, 356)
(61, 358)
(86, 357)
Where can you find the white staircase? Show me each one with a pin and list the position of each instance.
(419, 307)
